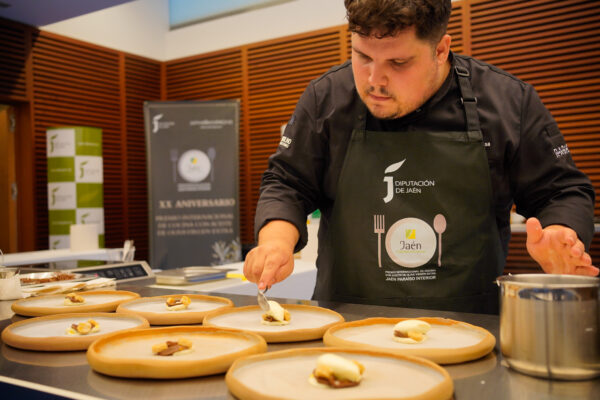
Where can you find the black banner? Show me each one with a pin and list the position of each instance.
(193, 157)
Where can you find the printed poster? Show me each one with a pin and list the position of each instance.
(193, 175)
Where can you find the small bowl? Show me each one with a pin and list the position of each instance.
(6, 272)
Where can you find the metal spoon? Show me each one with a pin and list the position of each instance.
(262, 300)
(439, 225)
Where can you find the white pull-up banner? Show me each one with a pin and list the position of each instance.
(193, 175)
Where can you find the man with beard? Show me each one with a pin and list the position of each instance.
(415, 156)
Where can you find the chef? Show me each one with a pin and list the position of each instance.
(415, 156)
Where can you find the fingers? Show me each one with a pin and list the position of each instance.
(274, 263)
(267, 265)
(249, 267)
(587, 270)
(534, 231)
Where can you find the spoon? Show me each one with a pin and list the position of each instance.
(262, 300)
(439, 225)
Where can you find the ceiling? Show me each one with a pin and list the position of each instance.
(39, 13)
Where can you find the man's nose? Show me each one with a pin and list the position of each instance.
(377, 76)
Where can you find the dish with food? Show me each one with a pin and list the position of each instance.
(447, 342)
(66, 332)
(172, 352)
(283, 375)
(93, 301)
(175, 309)
(305, 323)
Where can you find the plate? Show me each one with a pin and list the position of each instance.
(129, 353)
(448, 341)
(43, 278)
(154, 309)
(95, 301)
(307, 322)
(49, 333)
(284, 375)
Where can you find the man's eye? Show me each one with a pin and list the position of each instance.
(398, 64)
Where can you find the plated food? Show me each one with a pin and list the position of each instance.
(305, 323)
(336, 372)
(175, 309)
(447, 341)
(195, 351)
(93, 301)
(411, 331)
(283, 375)
(67, 332)
(276, 315)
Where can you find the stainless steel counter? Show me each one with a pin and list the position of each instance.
(67, 374)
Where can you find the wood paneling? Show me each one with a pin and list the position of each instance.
(53, 80)
(142, 83)
(278, 73)
(75, 84)
(13, 53)
(552, 44)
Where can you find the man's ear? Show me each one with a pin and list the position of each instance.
(443, 48)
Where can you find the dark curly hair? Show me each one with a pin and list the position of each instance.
(382, 18)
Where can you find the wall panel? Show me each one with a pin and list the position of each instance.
(552, 44)
(142, 83)
(75, 84)
(13, 53)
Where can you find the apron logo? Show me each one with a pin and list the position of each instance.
(389, 180)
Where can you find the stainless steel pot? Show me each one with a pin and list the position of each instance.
(550, 325)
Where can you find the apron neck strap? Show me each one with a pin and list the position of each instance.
(467, 99)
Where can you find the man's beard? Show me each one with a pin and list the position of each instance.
(382, 92)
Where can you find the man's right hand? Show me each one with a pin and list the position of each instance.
(273, 259)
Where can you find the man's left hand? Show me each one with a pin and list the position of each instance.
(558, 250)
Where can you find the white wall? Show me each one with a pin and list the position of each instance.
(142, 27)
(255, 26)
(137, 27)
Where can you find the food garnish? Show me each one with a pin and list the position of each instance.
(411, 331)
(336, 372)
(276, 315)
(170, 348)
(178, 303)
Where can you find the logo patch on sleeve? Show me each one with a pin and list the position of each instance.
(561, 151)
(285, 141)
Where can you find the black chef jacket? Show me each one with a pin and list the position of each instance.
(529, 162)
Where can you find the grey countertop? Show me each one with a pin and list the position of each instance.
(68, 374)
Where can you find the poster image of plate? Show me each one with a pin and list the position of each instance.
(410, 242)
(194, 166)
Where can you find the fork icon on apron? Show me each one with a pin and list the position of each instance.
(379, 228)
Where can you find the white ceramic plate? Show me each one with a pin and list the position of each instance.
(447, 342)
(155, 311)
(49, 333)
(307, 322)
(284, 375)
(129, 354)
(95, 301)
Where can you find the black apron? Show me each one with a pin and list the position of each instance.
(413, 223)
